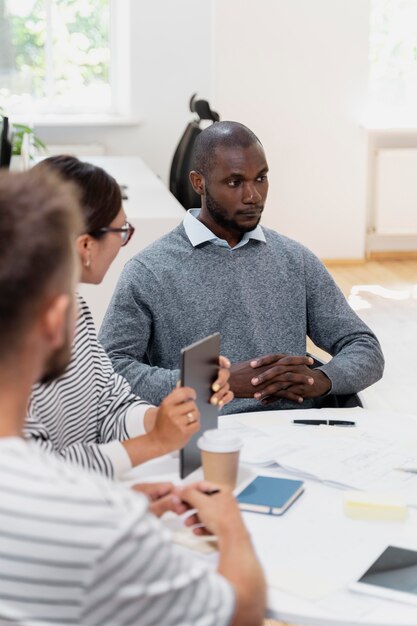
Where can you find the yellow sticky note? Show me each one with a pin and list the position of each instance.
(374, 506)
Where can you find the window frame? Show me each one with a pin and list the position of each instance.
(380, 112)
(120, 112)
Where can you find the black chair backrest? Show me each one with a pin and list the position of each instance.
(179, 183)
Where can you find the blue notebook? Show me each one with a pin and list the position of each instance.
(270, 495)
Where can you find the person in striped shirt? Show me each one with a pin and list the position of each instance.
(75, 547)
(89, 415)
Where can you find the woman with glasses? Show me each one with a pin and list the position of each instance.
(89, 415)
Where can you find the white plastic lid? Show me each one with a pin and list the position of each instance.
(219, 441)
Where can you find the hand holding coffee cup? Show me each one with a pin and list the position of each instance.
(220, 456)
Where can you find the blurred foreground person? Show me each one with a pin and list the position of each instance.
(76, 548)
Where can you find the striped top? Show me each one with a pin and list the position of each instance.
(85, 414)
(76, 548)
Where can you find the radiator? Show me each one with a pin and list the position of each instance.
(395, 200)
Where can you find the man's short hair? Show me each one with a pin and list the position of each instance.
(39, 221)
(219, 134)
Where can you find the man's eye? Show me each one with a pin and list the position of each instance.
(234, 183)
(262, 179)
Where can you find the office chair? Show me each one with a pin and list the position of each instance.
(181, 166)
(334, 400)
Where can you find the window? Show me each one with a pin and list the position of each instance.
(55, 56)
(393, 56)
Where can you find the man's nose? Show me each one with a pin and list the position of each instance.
(250, 194)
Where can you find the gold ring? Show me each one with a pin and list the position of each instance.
(190, 418)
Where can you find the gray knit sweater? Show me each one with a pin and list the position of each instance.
(262, 298)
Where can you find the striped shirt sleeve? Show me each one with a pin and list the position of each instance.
(158, 584)
(91, 456)
(78, 549)
(83, 416)
(115, 398)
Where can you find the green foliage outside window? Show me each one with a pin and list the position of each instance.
(56, 59)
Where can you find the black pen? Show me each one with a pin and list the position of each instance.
(324, 422)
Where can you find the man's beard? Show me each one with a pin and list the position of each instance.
(219, 215)
(57, 363)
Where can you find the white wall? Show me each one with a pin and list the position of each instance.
(171, 58)
(295, 71)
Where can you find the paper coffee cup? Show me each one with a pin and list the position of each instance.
(220, 456)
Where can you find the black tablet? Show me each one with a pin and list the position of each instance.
(393, 576)
(199, 369)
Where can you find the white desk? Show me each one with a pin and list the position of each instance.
(315, 549)
(150, 208)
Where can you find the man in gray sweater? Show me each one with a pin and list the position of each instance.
(221, 271)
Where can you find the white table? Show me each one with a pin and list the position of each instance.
(150, 208)
(314, 548)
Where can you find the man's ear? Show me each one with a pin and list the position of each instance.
(84, 245)
(55, 320)
(198, 182)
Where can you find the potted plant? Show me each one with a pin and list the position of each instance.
(24, 143)
(17, 137)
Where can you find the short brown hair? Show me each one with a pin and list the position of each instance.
(39, 221)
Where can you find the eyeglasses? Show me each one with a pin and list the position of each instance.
(126, 232)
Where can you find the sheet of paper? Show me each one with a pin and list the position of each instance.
(360, 457)
(368, 463)
(258, 449)
(185, 538)
(182, 535)
(353, 604)
(306, 585)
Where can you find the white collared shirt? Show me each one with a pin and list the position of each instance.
(198, 233)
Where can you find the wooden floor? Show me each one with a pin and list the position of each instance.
(389, 274)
